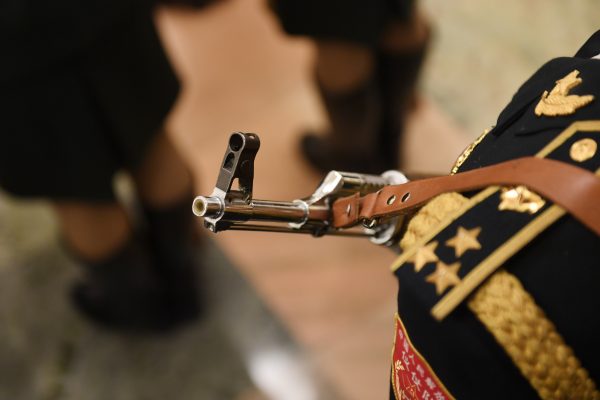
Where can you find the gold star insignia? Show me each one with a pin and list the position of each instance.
(444, 276)
(464, 240)
(558, 101)
(425, 254)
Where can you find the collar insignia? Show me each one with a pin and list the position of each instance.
(558, 101)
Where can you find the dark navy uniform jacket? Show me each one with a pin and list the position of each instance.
(560, 268)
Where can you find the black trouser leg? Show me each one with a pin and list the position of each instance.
(174, 241)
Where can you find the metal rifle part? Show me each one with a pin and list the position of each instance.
(235, 209)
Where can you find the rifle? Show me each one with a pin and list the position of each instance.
(375, 206)
(229, 208)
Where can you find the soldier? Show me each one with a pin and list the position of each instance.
(498, 287)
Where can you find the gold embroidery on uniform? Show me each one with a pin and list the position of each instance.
(578, 126)
(451, 217)
(522, 329)
(558, 101)
(444, 276)
(425, 254)
(583, 149)
(520, 199)
(467, 152)
(465, 239)
(487, 267)
(497, 258)
(531, 340)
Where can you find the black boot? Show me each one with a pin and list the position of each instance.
(398, 76)
(174, 242)
(124, 292)
(352, 143)
(367, 123)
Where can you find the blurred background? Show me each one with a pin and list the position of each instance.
(289, 317)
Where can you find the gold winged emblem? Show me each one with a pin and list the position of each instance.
(558, 101)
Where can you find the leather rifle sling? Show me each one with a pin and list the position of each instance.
(573, 188)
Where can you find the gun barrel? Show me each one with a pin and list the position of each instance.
(238, 210)
(210, 207)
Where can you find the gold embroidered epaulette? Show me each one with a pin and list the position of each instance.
(445, 266)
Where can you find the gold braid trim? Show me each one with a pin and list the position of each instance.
(430, 216)
(439, 207)
(513, 318)
(530, 339)
(467, 152)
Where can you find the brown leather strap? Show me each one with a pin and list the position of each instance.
(573, 188)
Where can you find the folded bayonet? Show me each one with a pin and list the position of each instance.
(232, 207)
